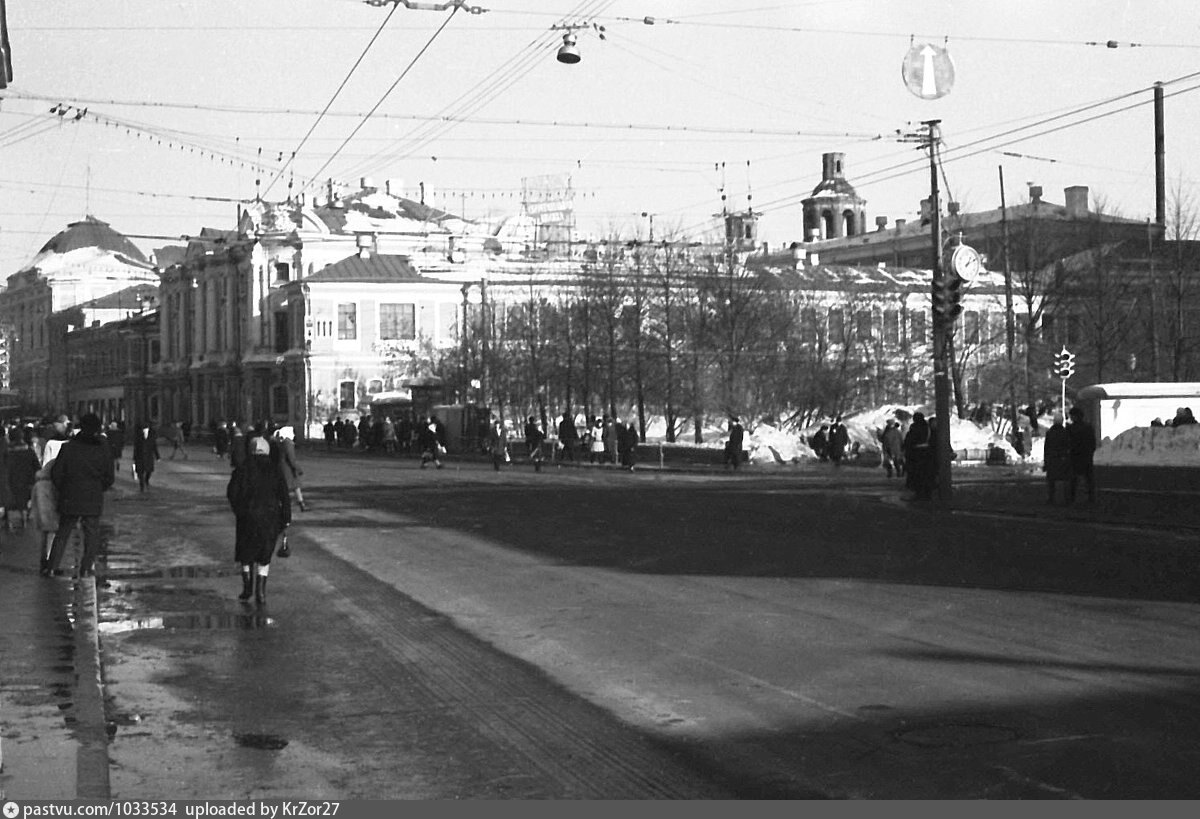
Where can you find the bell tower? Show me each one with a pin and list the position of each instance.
(835, 210)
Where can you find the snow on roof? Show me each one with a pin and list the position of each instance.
(1141, 389)
(92, 233)
(373, 268)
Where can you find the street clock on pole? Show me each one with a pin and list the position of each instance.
(966, 262)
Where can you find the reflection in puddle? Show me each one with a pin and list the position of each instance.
(263, 742)
(118, 571)
(188, 621)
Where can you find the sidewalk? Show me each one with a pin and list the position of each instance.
(53, 743)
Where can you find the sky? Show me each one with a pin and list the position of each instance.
(177, 110)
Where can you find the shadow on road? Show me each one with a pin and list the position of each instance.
(652, 528)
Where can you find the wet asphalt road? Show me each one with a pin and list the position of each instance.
(586, 633)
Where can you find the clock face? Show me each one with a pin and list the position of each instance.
(966, 262)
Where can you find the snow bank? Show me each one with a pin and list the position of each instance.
(1164, 446)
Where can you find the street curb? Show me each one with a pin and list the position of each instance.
(91, 769)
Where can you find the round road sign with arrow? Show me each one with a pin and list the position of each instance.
(928, 71)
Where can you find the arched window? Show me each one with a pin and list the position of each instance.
(828, 227)
(849, 227)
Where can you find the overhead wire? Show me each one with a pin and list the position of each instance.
(983, 145)
(428, 44)
(332, 99)
(496, 83)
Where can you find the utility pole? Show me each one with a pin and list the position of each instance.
(1010, 330)
(943, 327)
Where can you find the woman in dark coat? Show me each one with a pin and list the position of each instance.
(22, 466)
(259, 497)
(919, 457)
(1056, 456)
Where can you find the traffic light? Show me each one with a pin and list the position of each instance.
(1064, 363)
(947, 296)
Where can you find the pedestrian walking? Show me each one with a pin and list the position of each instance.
(285, 441)
(174, 436)
(820, 443)
(920, 458)
(430, 443)
(145, 454)
(568, 437)
(595, 441)
(22, 466)
(497, 442)
(81, 474)
(891, 444)
(389, 436)
(733, 446)
(258, 495)
(220, 433)
(608, 436)
(237, 444)
(839, 439)
(534, 438)
(116, 443)
(1056, 458)
(44, 502)
(1082, 438)
(627, 442)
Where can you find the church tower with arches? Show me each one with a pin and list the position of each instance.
(835, 210)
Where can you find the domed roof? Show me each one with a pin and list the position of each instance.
(91, 232)
(837, 186)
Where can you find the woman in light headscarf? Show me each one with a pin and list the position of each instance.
(258, 495)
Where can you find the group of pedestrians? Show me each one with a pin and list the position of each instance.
(56, 481)
(1068, 456)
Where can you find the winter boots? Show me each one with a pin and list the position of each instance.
(247, 583)
(260, 589)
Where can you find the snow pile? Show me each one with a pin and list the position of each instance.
(1166, 446)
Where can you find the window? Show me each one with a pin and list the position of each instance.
(283, 336)
(863, 328)
(347, 322)
(837, 325)
(808, 325)
(916, 327)
(891, 327)
(279, 399)
(347, 395)
(397, 322)
(283, 271)
(375, 385)
(971, 327)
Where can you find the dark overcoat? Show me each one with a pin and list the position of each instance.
(81, 473)
(1057, 454)
(259, 497)
(145, 450)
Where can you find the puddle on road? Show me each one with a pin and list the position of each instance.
(262, 742)
(131, 572)
(235, 622)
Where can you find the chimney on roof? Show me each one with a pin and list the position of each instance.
(394, 187)
(952, 208)
(1035, 194)
(366, 244)
(1076, 198)
(900, 223)
(880, 222)
(366, 183)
